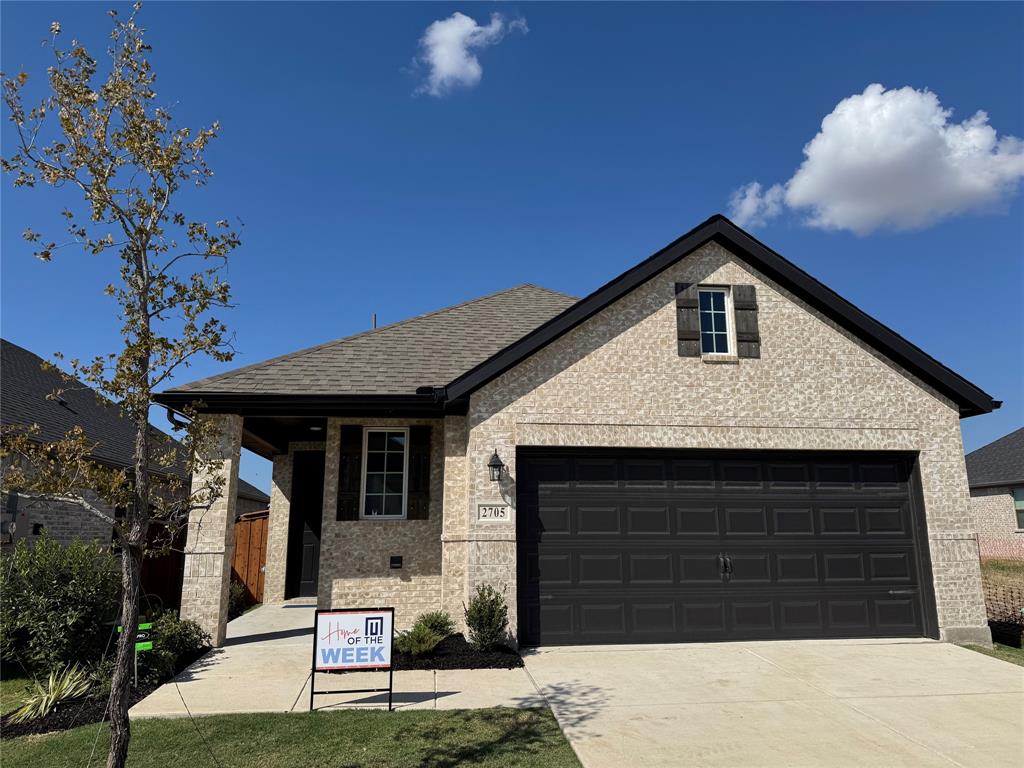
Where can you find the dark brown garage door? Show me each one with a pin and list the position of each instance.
(642, 546)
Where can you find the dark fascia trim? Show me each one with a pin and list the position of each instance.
(970, 399)
(1008, 484)
(425, 405)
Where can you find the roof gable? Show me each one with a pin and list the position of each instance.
(1001, 462)
(970, 399)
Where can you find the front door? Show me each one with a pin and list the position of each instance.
(303, 567)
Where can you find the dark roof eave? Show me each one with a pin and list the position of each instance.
(269, 404)
(1019, 482)
(970, 399)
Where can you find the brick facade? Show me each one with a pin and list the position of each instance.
(995, 520)
(617, 380)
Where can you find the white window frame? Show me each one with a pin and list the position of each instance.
(1017, 510)
(405, 475)
(730, 321)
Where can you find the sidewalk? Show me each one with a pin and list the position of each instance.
(264, 667)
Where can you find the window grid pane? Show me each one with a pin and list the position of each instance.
(1020, 519)
(385, 474)
(714, 336)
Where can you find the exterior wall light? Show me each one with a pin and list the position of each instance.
(495, 466)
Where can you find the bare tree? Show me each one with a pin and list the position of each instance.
(111, 141)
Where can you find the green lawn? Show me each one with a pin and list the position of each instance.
(1008, 571)
(12, 691)
(1004, 652)
(342, 739)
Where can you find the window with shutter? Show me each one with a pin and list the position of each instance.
(350, 471)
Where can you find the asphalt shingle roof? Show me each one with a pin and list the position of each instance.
(429, 350)
(24, 390)
(1001, 462)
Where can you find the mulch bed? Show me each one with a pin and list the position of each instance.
(70, 715)
(455, 653)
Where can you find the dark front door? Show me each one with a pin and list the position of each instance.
(661, 546)
(303, 566)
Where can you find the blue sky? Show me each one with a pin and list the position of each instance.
(594, 135)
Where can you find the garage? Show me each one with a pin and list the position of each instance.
(635, 546)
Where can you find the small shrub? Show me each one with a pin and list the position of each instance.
(59, 603)
(418, 641)
(238, 600)
(62, 685)
(487, 618)
(437, 621)
(176, 644)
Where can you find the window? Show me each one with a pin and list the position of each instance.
(714, 326)
(1018, 505)
(386, 468)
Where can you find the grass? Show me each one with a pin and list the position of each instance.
(1003, 571)
(12, 692)
(1004, 652)
(499, 737)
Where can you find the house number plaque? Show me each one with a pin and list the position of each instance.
(495, 512)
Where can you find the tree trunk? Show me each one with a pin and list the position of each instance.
(121, 682)
(133, 543)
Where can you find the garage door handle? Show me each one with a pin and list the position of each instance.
(902, 591)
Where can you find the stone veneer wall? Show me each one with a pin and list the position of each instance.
(618, 380)
(995, 520)
(209, 547)
(354, 555)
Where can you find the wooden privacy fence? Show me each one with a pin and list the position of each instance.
(250, 554)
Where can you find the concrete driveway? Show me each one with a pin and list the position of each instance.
(805, 703)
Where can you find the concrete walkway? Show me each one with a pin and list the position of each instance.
(264, 667)
(806, 703)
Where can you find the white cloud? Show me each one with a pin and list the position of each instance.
(448, 47)
(749, 206)
(891, 160)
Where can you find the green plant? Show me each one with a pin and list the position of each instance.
(60, 603)
(61, 685)
(176, 644)
(487, 618)
(419, 640)
(238, 599)
(437, 621)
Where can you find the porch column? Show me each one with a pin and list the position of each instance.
(211, 538)
(277, 532)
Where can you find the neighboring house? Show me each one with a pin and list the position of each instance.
(712, 446)
(995, 473)
(25, 386)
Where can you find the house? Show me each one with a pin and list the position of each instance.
(25, 389)
(995, 473)
(711, 446)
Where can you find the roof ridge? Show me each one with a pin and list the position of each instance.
(359, 334)
(549, 290)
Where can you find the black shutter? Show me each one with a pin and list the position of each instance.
(744, 305)
(350, 471)
(687, 320)
(418, 497)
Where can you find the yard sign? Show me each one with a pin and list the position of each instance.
(352, 640)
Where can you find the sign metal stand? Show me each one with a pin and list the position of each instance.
(389, 668)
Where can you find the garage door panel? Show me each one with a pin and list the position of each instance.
(630, 546)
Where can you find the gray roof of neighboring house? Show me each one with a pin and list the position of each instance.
(1001, 462)
(24, 389)
(429, 350)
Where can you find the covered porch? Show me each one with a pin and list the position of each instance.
(356, 508)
